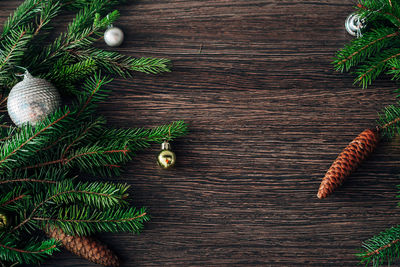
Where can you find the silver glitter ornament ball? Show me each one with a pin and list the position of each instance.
(32, 100)
(113, 36)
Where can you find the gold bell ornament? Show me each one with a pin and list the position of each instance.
(3, 221)
(166, 158)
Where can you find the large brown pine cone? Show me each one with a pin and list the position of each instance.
(85, 247)
(347, 161)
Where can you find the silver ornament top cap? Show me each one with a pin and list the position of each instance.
(31, 100)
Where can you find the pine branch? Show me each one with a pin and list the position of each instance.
(90, 159)
(389, 121)
(65, 76)
(372, 68)
(14, 151)
(116, 63)
(138, 139)
(75, 220)
(12, 51)
(92, 93)
(384, 247)
(99, 195)
(362, 48)
(8, 199)
(22, 17)
(76, 37)
(32, 252)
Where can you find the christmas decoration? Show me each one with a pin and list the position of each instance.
(113, 36)
(166, 158)
(347, 161)
(43, 162)
(31, 100)
(354, 24)
(4, 222)
(85, 247)
(374, 53)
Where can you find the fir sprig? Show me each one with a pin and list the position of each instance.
(95, 194)
(362, 48)
(33, 251)
(122, 65)
(389, 121)
(384, 247)
(77, 220)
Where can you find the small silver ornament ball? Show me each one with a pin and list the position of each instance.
(354, 24)
(32, 100)
(114, 36)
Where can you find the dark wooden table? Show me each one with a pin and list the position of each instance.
(267, 117)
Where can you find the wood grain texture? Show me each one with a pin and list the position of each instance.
(268, 115)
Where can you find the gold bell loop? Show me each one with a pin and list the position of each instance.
(166, 146)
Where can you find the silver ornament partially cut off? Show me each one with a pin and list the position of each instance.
(32, 100)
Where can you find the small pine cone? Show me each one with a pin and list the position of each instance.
(85, 247)
(347, 161)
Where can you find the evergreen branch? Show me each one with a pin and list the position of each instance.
(11, 148)
(91, 161)
(21, 17)
(10, 197)
(119, 64)
(375, 66)
(99, 82)
(12, 200)
(33, 252)
(92, 92)
(141, 138)
(8, 54)
(49, 10)
(76, 37)
(361, 48)
(11, 53)
(65, 76)
(76, 220)
(384, 247)
(80, 155)
(389, 121)
(100, 195)
(78, 138)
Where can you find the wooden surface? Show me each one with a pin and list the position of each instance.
(267, 115)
